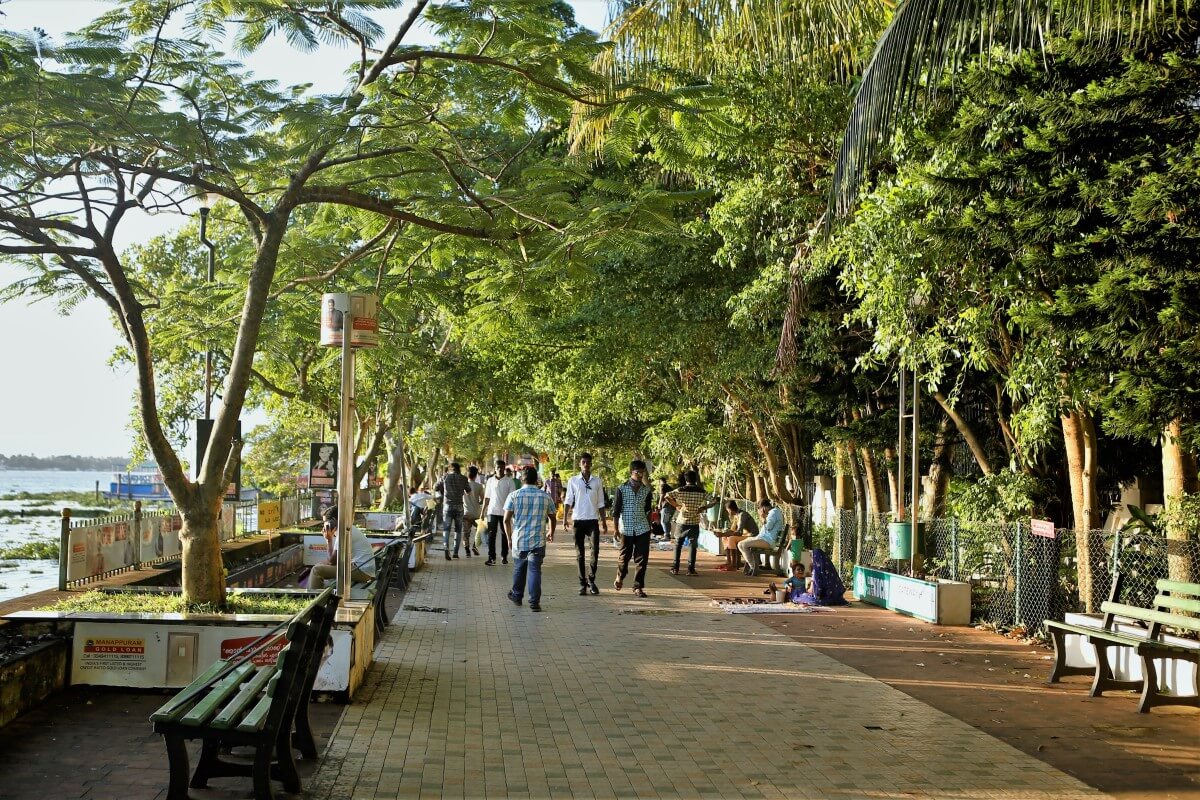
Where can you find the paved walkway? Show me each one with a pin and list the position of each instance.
(611, 696)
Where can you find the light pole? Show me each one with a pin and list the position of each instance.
(207, 200)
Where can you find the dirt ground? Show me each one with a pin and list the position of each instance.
(998, 685)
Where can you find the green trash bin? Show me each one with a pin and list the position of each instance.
(797, 548)
(900, 540)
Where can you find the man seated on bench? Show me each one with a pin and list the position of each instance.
(767, 539)
(361, 554)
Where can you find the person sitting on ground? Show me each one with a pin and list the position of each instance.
(766, 540)
(827, 587)
(797, 584)
(741, 526)
(362, 555)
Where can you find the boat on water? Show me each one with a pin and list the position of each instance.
(143, 483)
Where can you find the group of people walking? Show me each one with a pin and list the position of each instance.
(522, 518)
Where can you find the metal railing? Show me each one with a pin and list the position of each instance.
(1018, 579)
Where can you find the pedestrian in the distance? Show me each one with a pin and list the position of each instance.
(472, 510)
(631, 518)
(554, 488)
(526, 512)
(499, 487)
(585, 508)
(455, 488)
(690, 500)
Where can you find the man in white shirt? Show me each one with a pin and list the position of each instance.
(362, 565)
(586, 509)
(499, 487)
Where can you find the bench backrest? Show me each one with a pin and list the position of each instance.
(317, 637)
(1156, 618)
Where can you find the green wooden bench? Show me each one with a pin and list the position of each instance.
(245, 702)
(1172, 605)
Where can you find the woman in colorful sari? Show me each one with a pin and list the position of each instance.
(827, 587)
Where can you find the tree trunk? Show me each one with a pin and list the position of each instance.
(889, 455)
(939, 470)
(967, 432)
(1179, 478)
(200, 540)
(875, 496)
(860, 499)
(1079, 439)
(843, 491)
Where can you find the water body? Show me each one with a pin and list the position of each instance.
(25, 577)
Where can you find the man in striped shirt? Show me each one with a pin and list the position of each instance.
(525, 514)
(631, 517)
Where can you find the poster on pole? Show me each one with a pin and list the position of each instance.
(322, 465)
(364, 309)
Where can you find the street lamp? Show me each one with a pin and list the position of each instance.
(207, 201)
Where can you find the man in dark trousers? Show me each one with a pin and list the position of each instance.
(631, 518)
(586, 509)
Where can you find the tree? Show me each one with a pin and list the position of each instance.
(123, 119)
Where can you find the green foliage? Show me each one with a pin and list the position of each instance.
(47, 551)
(1003, 496)
(162, 603)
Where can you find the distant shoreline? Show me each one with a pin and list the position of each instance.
(63, 463)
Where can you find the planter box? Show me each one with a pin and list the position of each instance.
(30, 678)
(166, 651)
(939, 602)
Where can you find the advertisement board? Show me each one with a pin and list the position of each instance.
(365, 311)
(157, 656)
(322, 465)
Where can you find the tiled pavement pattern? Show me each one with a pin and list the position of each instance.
(611, 696)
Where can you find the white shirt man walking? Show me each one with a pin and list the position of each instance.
(499, 487)
(586, 509)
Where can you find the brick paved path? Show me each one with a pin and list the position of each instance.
(612, 696)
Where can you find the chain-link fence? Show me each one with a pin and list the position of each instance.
(1018, 579)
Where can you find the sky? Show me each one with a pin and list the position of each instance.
(62, 397)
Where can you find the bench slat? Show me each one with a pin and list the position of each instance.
(219, 694)
(1150, 615)
(1177, 587)
(257, 717)
(1158, 646)
(1177, 603)
(185, 698)
(248, 693)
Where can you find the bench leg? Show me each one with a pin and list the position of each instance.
(285, 762)
(262, 772)
(210, 753)
(1060, 668)
(303, 739)
(177, 760)
(1152, 697)
(1104, 679)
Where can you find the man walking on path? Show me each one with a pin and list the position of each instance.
(631, 518)
(554, 488)
(526, 512)
(585, 508)
(455, 487)
(767, 539)
(499, 487)
(472, 508)
(691, 501)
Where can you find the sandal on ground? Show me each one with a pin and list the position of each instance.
(674, 570)
(617, 584)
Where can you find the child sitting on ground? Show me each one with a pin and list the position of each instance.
(794, 586)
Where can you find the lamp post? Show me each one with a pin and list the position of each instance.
(207, 200)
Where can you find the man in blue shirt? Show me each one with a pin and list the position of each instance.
(767, 539)
(631, 517)
(525, 514)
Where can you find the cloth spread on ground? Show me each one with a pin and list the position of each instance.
(756, 605)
